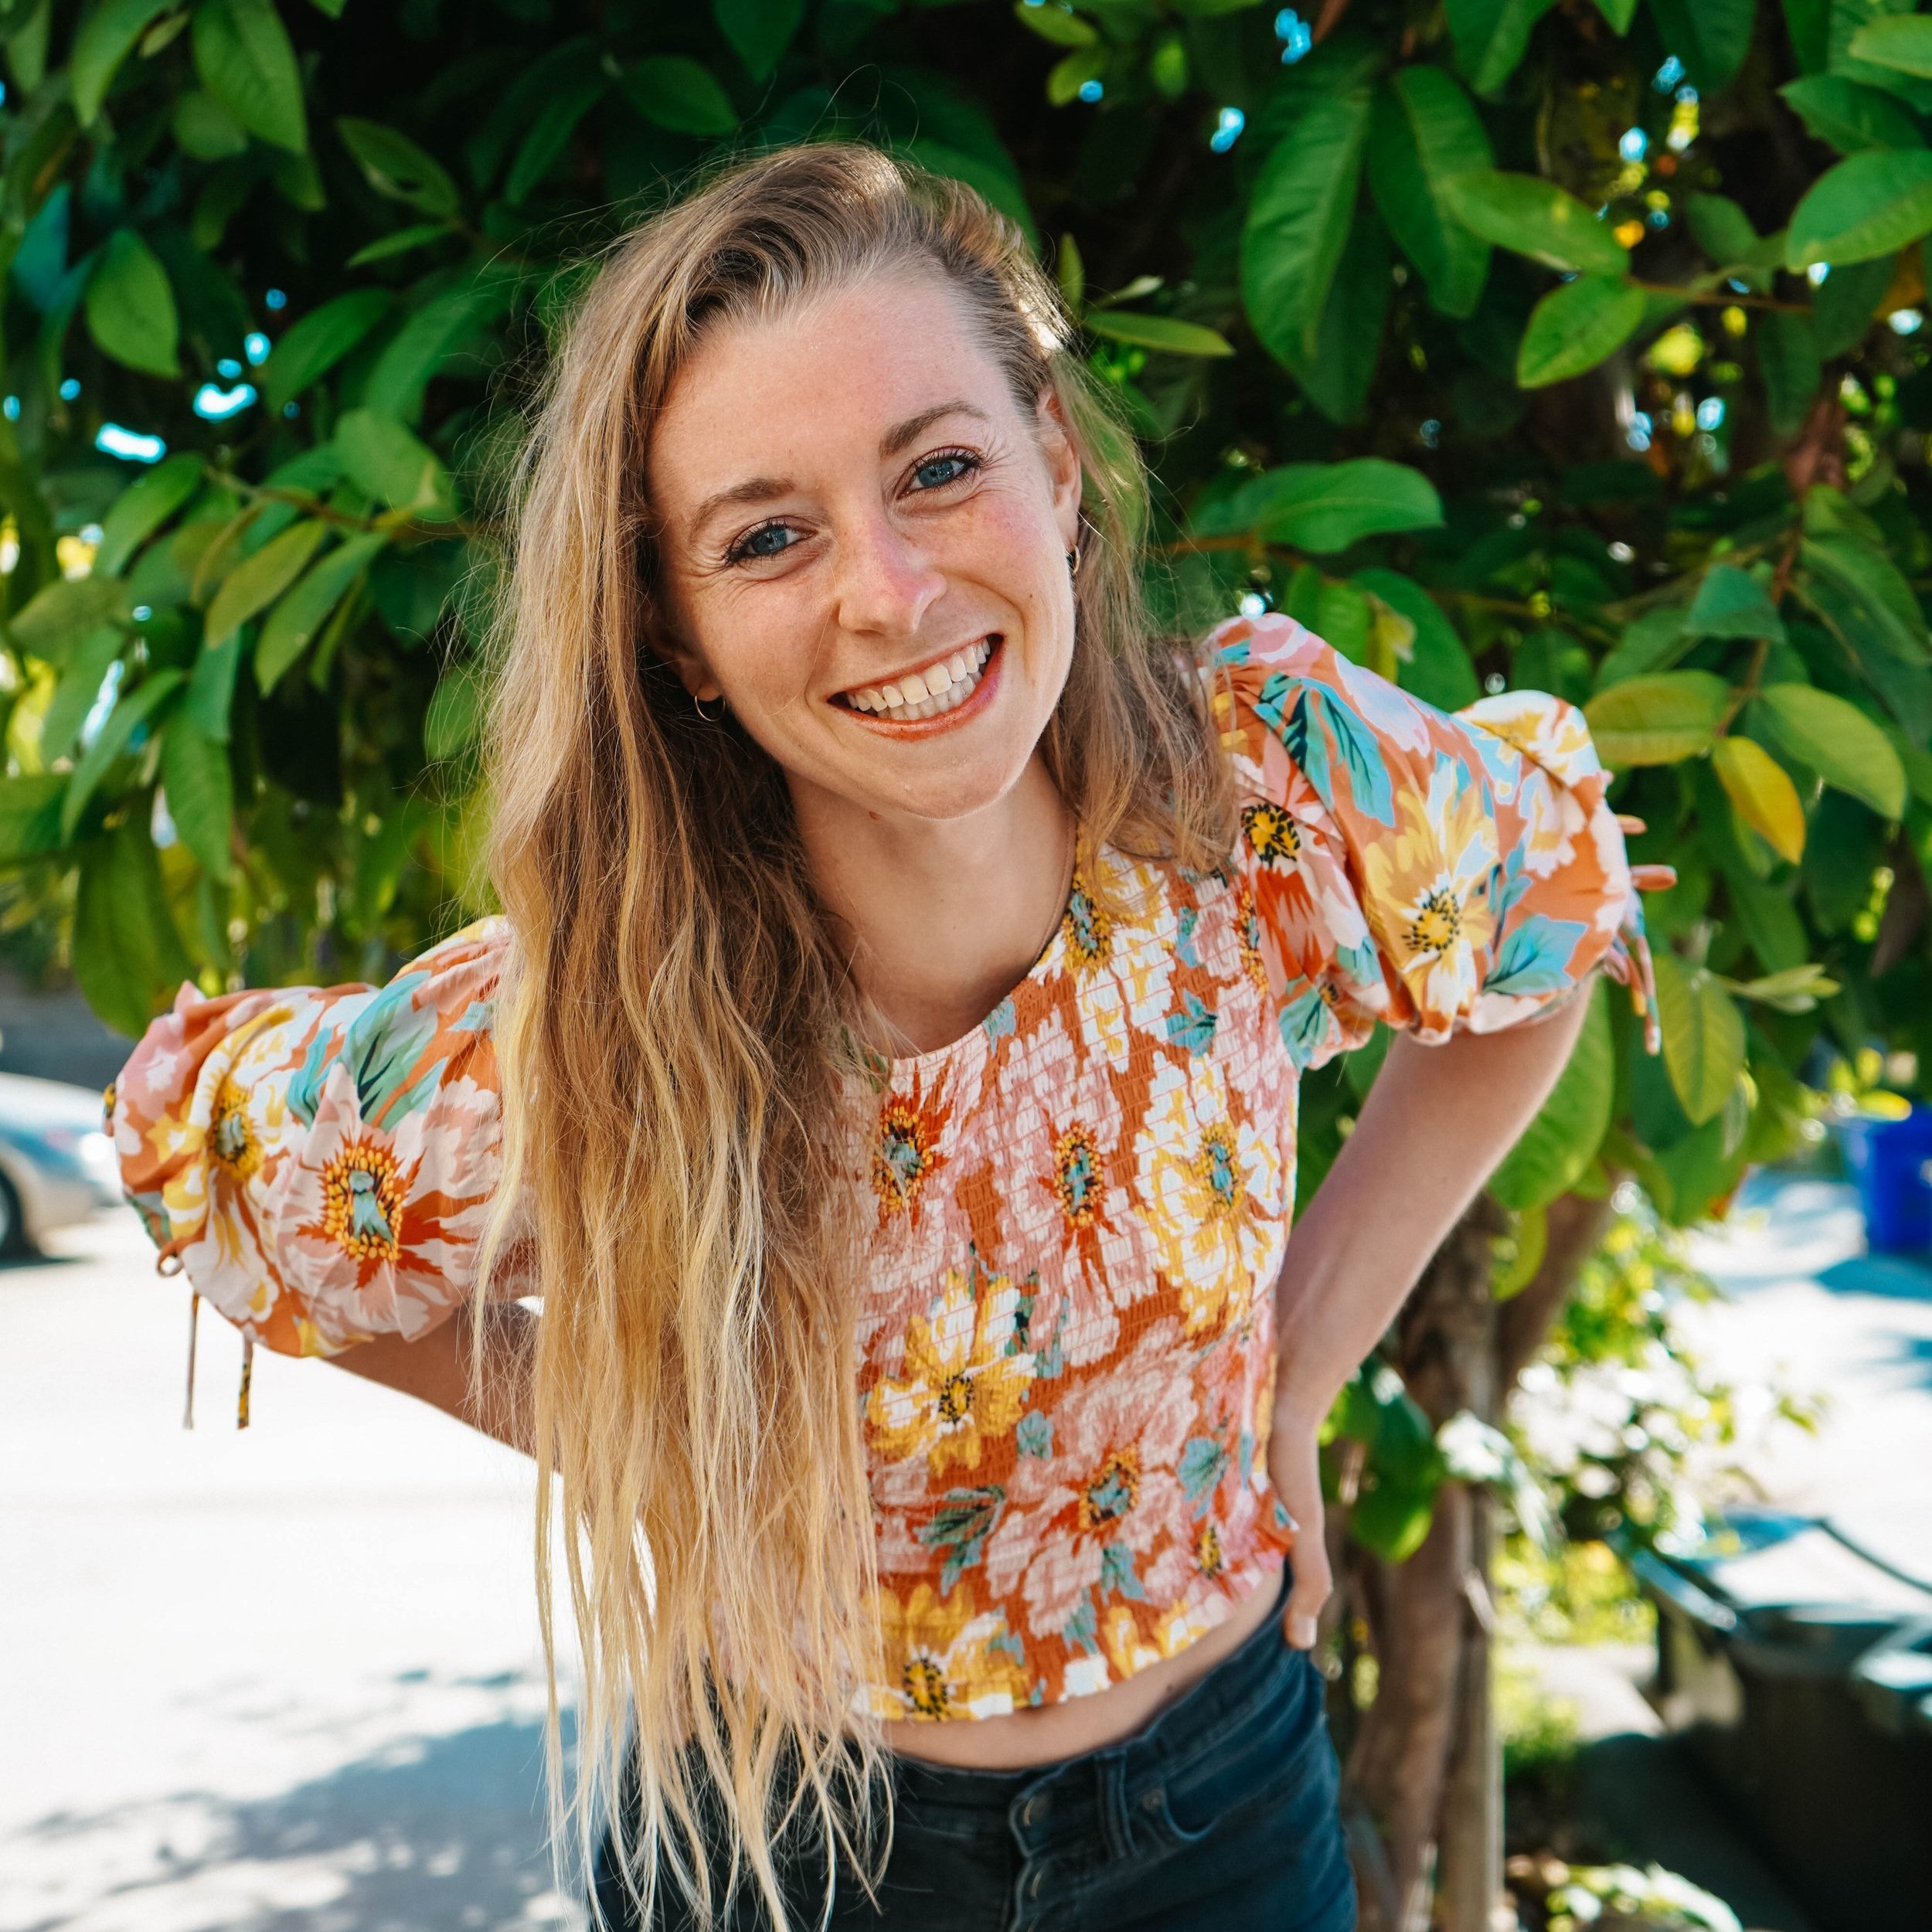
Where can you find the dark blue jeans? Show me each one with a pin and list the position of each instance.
(1219, 1816)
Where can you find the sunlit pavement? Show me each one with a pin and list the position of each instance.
(1806, 1311)
(288, 1677)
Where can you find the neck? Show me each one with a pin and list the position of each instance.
(945, 916)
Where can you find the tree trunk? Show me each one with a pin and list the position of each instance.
(1425, 1770)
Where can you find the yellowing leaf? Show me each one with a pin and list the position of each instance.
(1762, 791)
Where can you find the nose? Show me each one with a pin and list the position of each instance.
(885, 582)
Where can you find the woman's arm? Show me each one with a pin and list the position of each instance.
(1436, 1123)
(437, 1369)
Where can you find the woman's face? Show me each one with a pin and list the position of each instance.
(863, 544)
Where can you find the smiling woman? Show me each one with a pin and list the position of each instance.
(885, 1070)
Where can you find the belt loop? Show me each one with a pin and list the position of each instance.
(1111, 1773)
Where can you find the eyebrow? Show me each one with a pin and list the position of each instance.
(763, 489)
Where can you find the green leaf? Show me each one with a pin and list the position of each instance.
(258, 581)
(105, 38)
(1659, 719)
(1168, 333)
(130, 308)
(419, 235)
(1844, 304)
(143, 507)
(1711, 37)
(395, 166)
(127, 956)
(1724, 232)
(75, 695)
(1652, 642)
(1437, 669)
(1325, 507)
(677, 92)
(59, 614)
(1809, 24)
(1839, 743)
(1425, 130)
(314, 345)
(211, 687)
(1731, 603)
(303, 611)
(1534, 217)
(91, 767)
(1870, 204)
(201, 798)
(1060, 25)
(1787, 359)
(1336, 372)
(1851, 117)
(1703, 1036)
(30, 815)
(1887, 612)
(1619, 13)
(550, 132)
(759, 30)
(243, 54)
(455, 714)
(421, 346)
(1556, 1148)
(203, 128)
(1298, 218)
(393, 465)
(1492, 37)
(1575, 326)
(1903, 42)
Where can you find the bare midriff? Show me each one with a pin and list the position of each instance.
(1081, 1724)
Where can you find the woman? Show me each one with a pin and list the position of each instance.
(884, 1071)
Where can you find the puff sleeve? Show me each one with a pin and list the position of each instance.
(322, 1163)
(1435, 872)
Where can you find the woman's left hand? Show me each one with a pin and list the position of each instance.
(1294, 1464)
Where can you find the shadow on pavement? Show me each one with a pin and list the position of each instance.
(1890, 1275)
(1649, 1805)
(439, 1835)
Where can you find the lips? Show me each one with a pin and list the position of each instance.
(938, 687)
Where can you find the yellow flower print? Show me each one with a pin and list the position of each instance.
(941, 1658)
(1209, 1559)
(362, 1201)
(1212, 1191)
(1428, 893)
(1131, 1650)
(1272, 834)
(1086, 931)
(232, 1138)
(1247, 928)
(965, 1381)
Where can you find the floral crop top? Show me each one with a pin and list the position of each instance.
(1065, 1332)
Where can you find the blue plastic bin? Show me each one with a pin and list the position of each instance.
(1889, 1160)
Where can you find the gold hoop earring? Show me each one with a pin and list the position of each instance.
(710, 717)
(1073, 563)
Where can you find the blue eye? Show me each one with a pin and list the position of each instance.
(965, 465)
(750, 547)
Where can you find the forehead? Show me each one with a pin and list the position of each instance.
(781, 395)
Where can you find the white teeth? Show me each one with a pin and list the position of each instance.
(925, 694)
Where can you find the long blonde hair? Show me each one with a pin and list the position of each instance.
(669, 1026)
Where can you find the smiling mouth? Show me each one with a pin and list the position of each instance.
(940, 687)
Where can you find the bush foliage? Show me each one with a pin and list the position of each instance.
(1505, 342)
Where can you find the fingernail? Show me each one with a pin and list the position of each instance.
(1301, 1632)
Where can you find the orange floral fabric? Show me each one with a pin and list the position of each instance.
(1075, 1214)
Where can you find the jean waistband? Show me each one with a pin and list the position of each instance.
(1081, 1793)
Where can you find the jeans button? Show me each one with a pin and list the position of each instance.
(1032, 1810)
(1037, 1883)
(1151, 1800)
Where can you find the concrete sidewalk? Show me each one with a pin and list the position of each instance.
(286, 1677)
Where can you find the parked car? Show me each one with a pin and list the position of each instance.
(57, 1164)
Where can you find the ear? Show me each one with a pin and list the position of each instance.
(693, 673)
(1063, 464)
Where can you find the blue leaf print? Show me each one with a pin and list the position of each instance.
(1034, 1434)
(1271, 705)
(1082, 1628)
(305, 1090)
(1360, 754)
(384, 1043)
(1535, 956)
(1306, 1024)
(1193, 1026)
(1002, 1020)
(959, 1526)
(1202, 1462)
(1185, 949)
(478, 1017)
(1117, 1573)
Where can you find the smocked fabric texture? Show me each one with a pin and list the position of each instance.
(1075, 1213)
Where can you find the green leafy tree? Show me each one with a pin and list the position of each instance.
(1569, 344)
